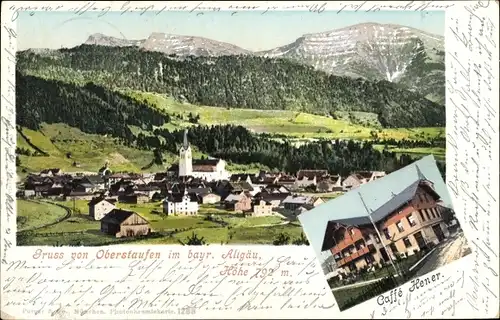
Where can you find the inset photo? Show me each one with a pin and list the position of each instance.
(386, 232)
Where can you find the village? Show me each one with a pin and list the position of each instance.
(186, 189)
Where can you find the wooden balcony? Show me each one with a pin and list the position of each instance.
(347, 241)
(355, 255)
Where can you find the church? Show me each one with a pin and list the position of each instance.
(207, 169)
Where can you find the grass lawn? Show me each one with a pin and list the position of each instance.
(32, 215)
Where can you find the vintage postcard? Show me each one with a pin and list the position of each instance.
(386, 232)
(249, 160)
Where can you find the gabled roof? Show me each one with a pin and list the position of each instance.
(378, 196)
(118, 216)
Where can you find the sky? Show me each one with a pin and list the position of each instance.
(250, 30)
(375, 194)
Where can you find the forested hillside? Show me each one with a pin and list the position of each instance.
(234, 81)
(94, 109)
(91, 108)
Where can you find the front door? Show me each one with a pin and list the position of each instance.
(439, 232)
(420, 239)
(384, 255)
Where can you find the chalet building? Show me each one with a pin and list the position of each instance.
(238, 202)
(99, 207)
(261, 208)
(331, 183)
(210, 198)
(123, 223)
(293, 202)
(358, 178)
(181, 203)
(134, 198)
(407, 223)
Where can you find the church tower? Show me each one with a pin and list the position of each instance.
(185, 158)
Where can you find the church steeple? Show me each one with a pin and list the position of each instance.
(185, 159)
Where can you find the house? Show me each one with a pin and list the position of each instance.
(147, 189)
(358, 178)
(286, 180)
(331, 183)
(262, 208)
(275, 196)
(303, 208)
(238, 202)
(99, 207)
(306, 178)
(135, 198)
(241, 177)
(408, 222)
(50, 172)
(225, 188)
(123, 223)
(293, 202)
(78, 195)
(96, 181)
(181, 203)
(210, 198)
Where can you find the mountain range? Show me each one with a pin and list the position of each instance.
(399, 54)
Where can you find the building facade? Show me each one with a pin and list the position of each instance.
(98, 208)
(415, 224)
(184, 204)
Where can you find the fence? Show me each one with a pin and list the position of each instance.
(370, 291)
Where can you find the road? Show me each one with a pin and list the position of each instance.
(449, 250)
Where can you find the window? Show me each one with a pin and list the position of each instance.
(351, 231)
(411, 220)
(387, 234)
(399, 224)
(377, 240)
(421, 215)
(438, 211)
(427, 214)
(407, 242)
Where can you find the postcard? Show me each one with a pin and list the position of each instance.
(249, 160)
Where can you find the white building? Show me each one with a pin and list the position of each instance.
(185, 204)
(207, 169)
(98, 208)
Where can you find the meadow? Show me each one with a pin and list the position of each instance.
(353, 125)
(224, 228)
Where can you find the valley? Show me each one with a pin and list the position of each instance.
(121, 122)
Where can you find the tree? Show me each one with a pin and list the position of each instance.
(302, 240)
(282, 239)
(193, 240)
